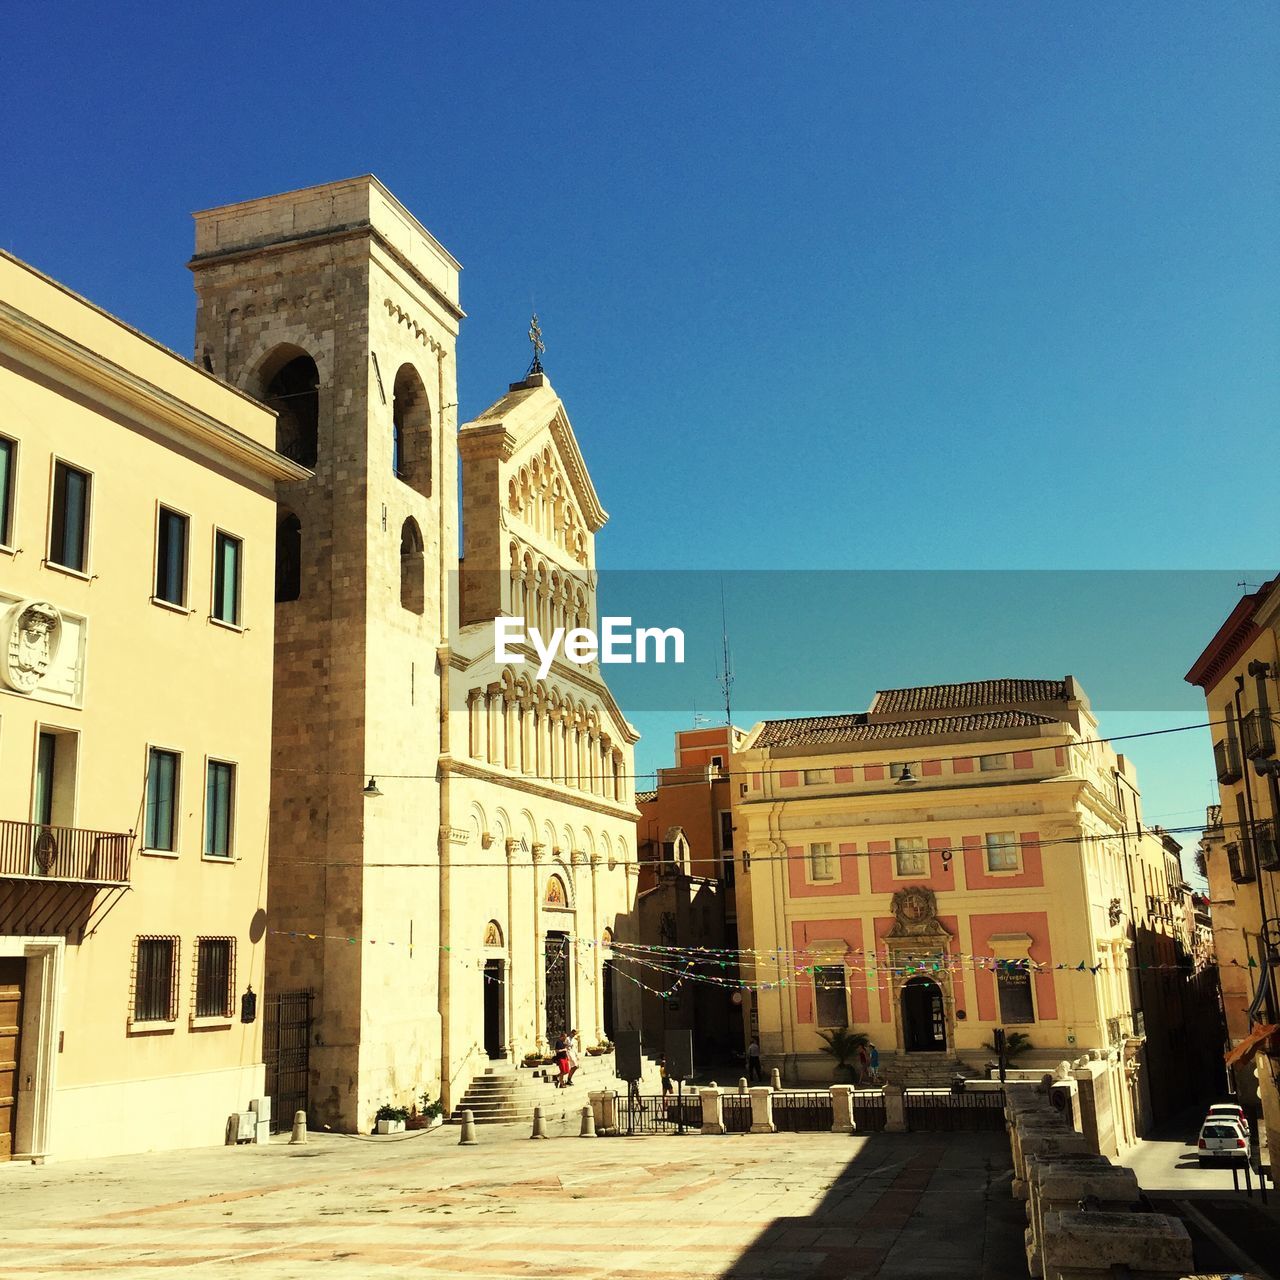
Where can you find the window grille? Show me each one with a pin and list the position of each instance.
(215, 963)
(155, 984)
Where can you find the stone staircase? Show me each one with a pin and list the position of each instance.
(506, 1094)
(923, 1070)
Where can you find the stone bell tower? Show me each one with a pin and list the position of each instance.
(338, 309)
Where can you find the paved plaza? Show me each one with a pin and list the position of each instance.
(827, 1206)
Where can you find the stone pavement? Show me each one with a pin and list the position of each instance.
(798, 1206)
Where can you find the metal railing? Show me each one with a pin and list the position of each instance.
(1226, 755)
(802, 1112)
(1240, 860)
(659, 1113)
(33, 850)
(940, 1110)
(1265, 845)
(868, 1110)
(737, 1112)
(1256, 735)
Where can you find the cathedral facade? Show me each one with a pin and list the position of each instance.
(452, 839)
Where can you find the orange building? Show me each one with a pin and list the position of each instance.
(685, 847)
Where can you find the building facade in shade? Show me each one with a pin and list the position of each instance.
(137, 533)
(958, 858)
(456, 917)
(685, 847)
(1177, 981)
(1238, 672)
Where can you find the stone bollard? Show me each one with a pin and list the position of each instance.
(588, 1129)
(299, 1135)
(842, 1108)
(1082, 1245)
(712, 1109)
(608, 1114)
(775, 1078)
(895, 1111)
(742, 1085)
(468, 1138)
(539, 1125)
(762, 1111)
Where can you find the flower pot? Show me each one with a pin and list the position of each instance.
(390, 1126)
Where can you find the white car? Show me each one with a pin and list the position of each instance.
(1227, 1111)
(1222, 1140)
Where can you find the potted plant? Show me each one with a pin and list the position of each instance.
(391, 1119)
(1015, 1044)
(843, 1046)
(429, 1116)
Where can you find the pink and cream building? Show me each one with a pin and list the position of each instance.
(955, 859)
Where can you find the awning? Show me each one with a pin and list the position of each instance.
(1251, 1043)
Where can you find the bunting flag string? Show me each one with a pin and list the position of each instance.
(725, 966)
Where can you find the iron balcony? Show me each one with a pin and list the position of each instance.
(1241, 863)
(1226, 756)
(1264, 841)
(1256, 735)
(35, 851)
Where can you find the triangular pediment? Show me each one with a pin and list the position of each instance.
(521, 423)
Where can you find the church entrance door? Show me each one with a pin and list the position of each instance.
(495, 1004)
(924, 1025)
(557, 961)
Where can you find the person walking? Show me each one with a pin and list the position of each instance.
(571, 1052)
(875, 1062)
(753, 1060)
(562, 1061)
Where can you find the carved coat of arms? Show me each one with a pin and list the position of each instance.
(29, 642)
(915, 910)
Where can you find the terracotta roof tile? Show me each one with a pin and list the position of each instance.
(814, 730)
(974, 693)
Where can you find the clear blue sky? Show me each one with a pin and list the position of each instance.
(845, 285)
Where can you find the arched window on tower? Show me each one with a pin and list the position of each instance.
(292, 389)
(288, 557)
(412, 568)
(411, 431)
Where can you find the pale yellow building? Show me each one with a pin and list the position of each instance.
(1239, 672)
(956, 859)
(137, 523)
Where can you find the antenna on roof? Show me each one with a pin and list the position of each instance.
(724, 675)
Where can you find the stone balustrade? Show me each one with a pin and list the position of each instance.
(1081, 1209)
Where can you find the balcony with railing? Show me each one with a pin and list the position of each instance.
(1264, 842)
(1256, 735)
(1240, 860)
(33, 851)
(1226, 756)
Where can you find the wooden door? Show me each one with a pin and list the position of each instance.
(12, 972)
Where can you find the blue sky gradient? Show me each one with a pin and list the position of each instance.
(834, 286)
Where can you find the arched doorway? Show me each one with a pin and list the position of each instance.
(924, 1023)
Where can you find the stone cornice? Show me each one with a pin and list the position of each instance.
(514, 782)
(142, 396)
(329, 235)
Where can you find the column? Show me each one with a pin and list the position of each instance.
(539, 955)
(762, 1110)
(712, 1109)
(577, 859)
(597, 956)
(842, 1108)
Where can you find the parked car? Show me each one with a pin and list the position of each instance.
(1222, 1140)
(1227, 1111)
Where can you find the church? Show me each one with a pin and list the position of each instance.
(451, 842)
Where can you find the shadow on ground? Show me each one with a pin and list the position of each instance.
(904, 1207)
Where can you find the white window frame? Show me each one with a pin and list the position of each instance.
(238, 625)
(1011, 844)
(212, 1021)
(914, 845)
(809, 866)
(85, 574)
(61, 731)
(10, 546)
(185, 607)
(231, 855)
(177, 802)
